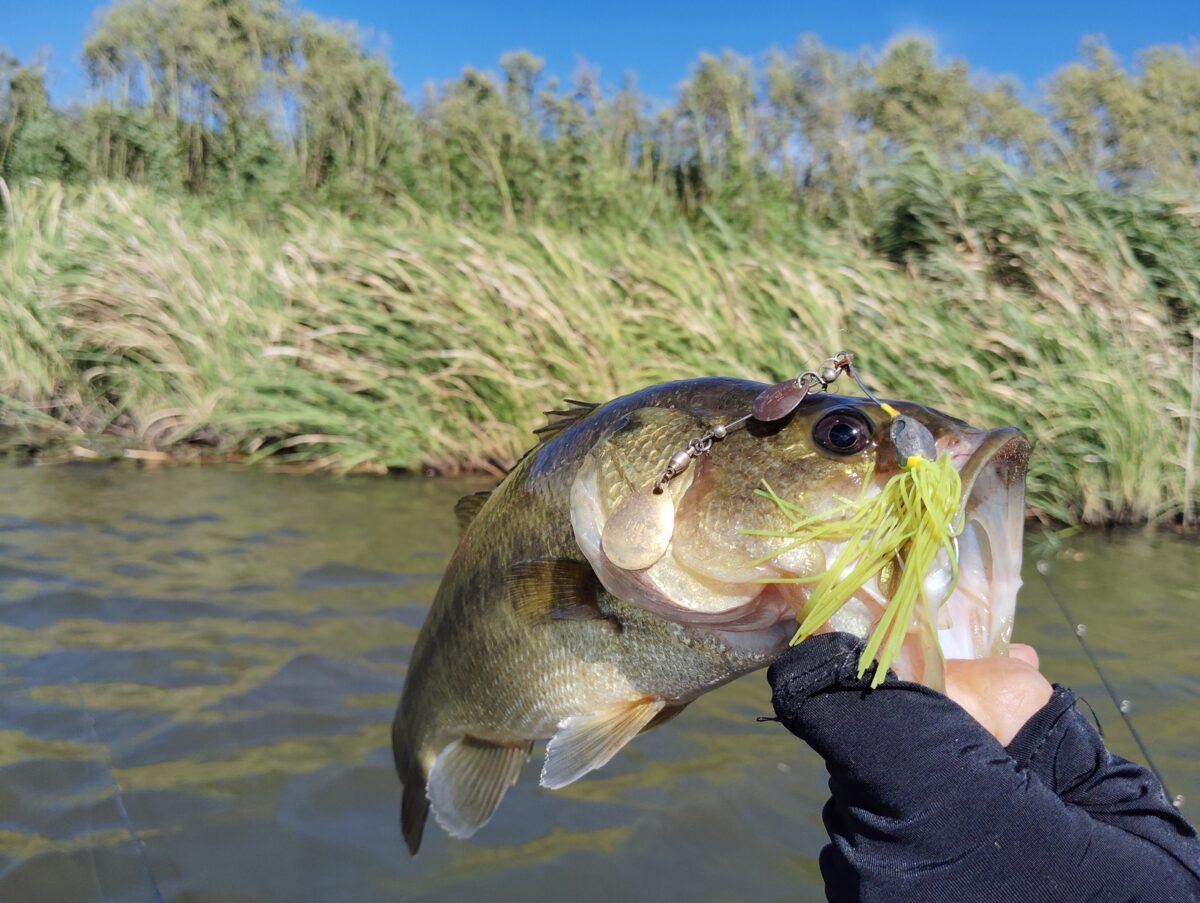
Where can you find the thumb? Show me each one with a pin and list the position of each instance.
(1001, 693)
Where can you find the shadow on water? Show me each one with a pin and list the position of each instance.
(210, 658)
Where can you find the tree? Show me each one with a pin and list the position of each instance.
(36, 141)
(237, 80)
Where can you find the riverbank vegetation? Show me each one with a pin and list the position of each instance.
(250, 243)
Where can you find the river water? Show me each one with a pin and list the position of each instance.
(198, 669)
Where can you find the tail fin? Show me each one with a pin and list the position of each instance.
(414, 809)
(414, 806)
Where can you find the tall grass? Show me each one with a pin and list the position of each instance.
(128, 320)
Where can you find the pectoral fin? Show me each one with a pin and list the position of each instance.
(554, 589)
(583, 743)
(467, 781)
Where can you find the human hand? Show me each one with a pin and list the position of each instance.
(1000, 693)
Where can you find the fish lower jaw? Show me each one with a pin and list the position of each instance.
(760, 646)
(983, 605)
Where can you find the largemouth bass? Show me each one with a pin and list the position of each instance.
(563, 617)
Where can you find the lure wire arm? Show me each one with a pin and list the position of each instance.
(701, 445)
(773, 403)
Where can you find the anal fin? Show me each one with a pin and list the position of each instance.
(584, 743)
(468, 779)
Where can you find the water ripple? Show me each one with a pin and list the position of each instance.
(226, 646)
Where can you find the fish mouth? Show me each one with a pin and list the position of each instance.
(976, 619)
(972, 620)
(973, 616)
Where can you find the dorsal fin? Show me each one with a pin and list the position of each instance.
(468, 506)
(469, 778)
(585, 742)
(555, 589)
(564, 419)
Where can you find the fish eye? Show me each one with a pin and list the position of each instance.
(843, 432)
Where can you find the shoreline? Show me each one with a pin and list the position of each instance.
(75, 455)
(138, 325)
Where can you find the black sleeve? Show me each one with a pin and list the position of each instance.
(927, 805)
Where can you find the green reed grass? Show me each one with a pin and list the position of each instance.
(128, 320)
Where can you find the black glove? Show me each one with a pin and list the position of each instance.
(927, 805)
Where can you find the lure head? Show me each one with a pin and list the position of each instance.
(712, 549)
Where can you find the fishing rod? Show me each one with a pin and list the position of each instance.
(1124, 706)
(139, 845)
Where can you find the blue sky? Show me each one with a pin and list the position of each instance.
(432, 41)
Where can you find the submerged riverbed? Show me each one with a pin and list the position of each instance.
(198, 669)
